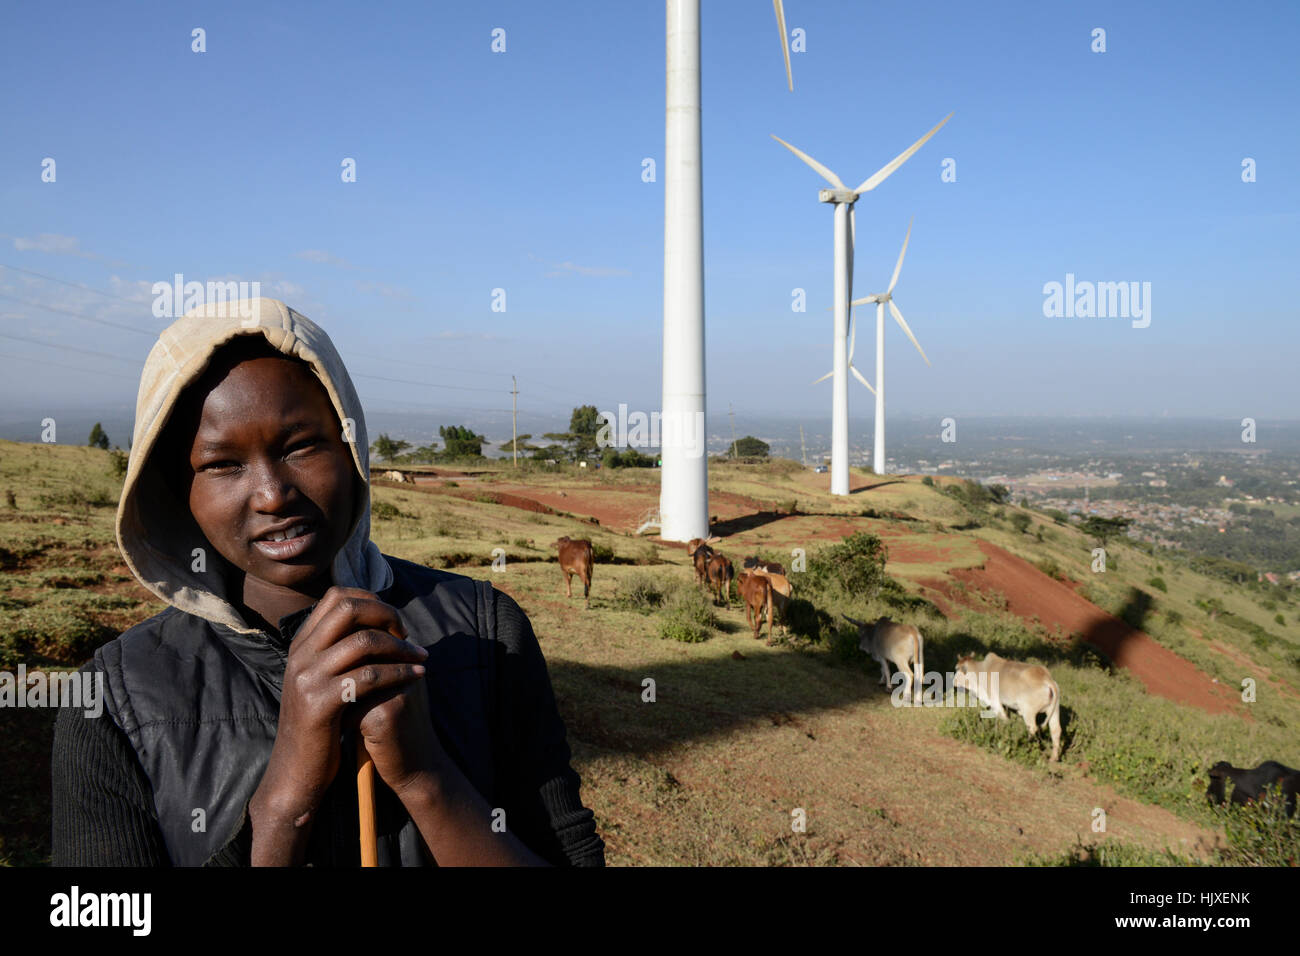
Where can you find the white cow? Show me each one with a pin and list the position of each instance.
(892, 643)
(397, 476)
(1028, 688)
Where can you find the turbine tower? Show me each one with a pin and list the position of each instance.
(881, 299)
(845, 231)
(684, 480)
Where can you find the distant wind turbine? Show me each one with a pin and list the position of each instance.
(881, 299)
(845, 228)
(684, 480)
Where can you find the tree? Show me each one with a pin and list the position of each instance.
(461, 442)
(1021, 522)
(1000, 493)
(1103, 529)
(386, 448)
(522, 441)
(749, 447)
(97, 437)
(561, 445)
(584, 424)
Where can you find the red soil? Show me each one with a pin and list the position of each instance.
(1032, 594)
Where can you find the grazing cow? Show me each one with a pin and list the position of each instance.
(1247, 785)
(576, 557)
(755, 593)
(1028, 688)
(397, 476)
(698, 550)
(753, 562)
(781, 589)
(892, 643)
(721, 574)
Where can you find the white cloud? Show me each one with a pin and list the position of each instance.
(53, 244)
(572, 268)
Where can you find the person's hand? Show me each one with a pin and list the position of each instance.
(398, 733)
(351, 647)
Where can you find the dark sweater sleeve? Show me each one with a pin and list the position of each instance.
(102, 811)
(544, 806)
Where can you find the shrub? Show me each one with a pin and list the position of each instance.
(855, 567)
(602, 553)
(687, 615)
(1049, 567)
(928, 481)
(644, 592)
(1158, 583)
(385, 511)
(117, 462)
(1260, 834)
(648, 554)
(1021, 522)
(1279, 619)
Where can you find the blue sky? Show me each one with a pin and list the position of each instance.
(522, 170)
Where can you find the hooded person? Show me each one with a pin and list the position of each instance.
(231, 719)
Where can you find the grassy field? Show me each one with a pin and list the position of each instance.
(744, 738)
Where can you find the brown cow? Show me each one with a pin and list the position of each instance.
(753, 562)
(699, 553)
(755, 593)
(576, 557)
(781, 588)
(721, 574)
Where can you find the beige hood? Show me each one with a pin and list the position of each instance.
(155, 532)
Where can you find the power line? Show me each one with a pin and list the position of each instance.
(91, 371)
(75, 285)
(567, 393)
(79, 315)
(404, 381)
(69, 348)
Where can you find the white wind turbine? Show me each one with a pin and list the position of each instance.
(881, 299)
(845, 234)
(684, 480)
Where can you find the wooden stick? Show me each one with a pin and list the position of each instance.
(366, 805)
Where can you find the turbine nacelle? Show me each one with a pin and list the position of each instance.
(837, 195)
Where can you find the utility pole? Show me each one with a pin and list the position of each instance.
(803, 450)
(514, 418)
(732, 413)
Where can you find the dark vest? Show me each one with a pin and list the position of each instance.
(200, 704)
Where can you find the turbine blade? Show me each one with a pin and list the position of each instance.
(899, 316)
(884, 172)
(825, 173)
(854, 370)
(898, 268)
(867, 301)
(825, 377)
(785, 41)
